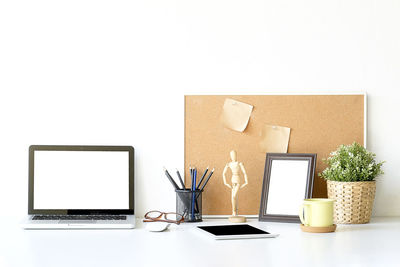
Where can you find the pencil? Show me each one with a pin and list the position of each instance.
(208, 178)
(180, 179)
(170, 179)
(201, 180)
(193, 175)
(193, 192)
(191, 203)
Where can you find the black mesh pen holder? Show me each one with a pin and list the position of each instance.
(188, 203)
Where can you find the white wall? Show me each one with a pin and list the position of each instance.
(115, 72)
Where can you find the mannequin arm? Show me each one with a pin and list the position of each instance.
(246, 180)
(224, 176)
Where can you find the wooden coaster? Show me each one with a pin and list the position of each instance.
(237, 219)
(310, 229)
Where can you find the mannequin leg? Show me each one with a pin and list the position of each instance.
(235, 190)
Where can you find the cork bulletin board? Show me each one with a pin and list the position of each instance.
(319, 124)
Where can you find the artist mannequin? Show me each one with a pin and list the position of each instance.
(235, 167)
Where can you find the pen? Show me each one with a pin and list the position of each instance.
(201, 180)
(180, 179)
(171, 180)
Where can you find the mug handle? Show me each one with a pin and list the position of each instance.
(301, 214)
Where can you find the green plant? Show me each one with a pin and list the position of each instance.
(351, 163)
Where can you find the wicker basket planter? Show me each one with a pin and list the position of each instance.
(353, 201)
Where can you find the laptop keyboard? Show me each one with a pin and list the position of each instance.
(79, 217)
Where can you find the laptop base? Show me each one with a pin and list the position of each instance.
(129, 223)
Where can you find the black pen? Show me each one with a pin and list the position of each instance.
(180, 179)
(201, 180)
(171, 180)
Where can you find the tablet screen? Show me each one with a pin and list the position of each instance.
(232, 230)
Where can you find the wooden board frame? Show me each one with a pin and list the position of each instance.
(207, 142)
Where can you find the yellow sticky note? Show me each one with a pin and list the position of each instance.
(236, 115)
(274, 139)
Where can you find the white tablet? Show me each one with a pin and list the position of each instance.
(235, 231)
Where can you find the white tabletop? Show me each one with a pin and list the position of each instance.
(373, 244)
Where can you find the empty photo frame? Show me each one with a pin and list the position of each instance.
(288, 180)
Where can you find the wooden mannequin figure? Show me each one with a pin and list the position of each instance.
(235, 167)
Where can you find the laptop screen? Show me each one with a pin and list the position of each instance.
(80, 179)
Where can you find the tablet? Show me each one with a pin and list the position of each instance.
(236, 231)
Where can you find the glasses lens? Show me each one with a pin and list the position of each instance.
(173, 216)
(153, 214)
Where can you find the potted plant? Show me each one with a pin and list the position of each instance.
(350, 179)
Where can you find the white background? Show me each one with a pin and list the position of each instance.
(115, 72)
(287, 186)
(81, 180)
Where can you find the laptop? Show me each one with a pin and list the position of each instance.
(80, 187)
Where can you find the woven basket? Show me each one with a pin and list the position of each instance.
(353, 201)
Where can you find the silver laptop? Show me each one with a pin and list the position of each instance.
(77, 187)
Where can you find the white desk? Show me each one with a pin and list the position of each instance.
(373, 244)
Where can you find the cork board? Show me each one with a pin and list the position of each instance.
(319, 124)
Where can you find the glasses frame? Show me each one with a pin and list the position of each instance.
(159, 218)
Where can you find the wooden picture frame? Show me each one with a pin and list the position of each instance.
(280, 202)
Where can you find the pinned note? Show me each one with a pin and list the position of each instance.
(274, 139)
(236, 115)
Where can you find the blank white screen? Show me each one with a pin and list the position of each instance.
(81, 180)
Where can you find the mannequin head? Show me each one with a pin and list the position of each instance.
(233, 155)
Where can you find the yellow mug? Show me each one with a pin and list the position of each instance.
(317, 212)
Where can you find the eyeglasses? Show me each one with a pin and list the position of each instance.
(158, 216)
